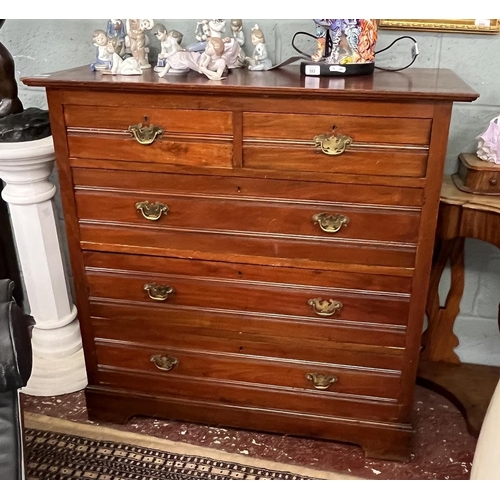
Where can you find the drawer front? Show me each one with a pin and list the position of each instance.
(187, 139)
(198, 293)
(326, 220)
(319, 378)
(255, 300)
(336, 144)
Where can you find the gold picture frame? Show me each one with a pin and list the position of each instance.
(443, 25)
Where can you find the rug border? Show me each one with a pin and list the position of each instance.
(45, 423)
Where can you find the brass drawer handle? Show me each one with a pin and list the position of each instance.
(325, 307)
(330, 223)
(321, 381)
(158, 292)
(332, 145)
(145, 134)
(165, 363)
(151, 211)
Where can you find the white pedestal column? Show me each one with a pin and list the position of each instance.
(58, 363)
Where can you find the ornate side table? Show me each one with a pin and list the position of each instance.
(469, 386)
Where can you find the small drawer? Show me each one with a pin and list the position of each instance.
(319, 378)
(336, 144)
(155, 135)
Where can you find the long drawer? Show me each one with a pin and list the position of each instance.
(248, 381)
(255, 299)
(290, 219)
(319, 378)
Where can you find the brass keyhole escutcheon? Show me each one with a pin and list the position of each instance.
(325, 307)
(330, 223)
(151, 211)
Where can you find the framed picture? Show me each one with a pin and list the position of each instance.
(444, 25)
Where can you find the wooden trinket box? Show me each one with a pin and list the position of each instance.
(477, 176)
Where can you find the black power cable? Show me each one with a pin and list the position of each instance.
(415, 53)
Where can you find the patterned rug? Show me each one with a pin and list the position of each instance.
(58, 449)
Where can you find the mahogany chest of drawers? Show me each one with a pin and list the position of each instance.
(254, 252)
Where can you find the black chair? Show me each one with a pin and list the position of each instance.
(15, 370)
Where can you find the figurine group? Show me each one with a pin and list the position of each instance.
(123, 49)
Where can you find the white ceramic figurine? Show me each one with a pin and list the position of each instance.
(260, 60)
(103, 57)
(170, 42)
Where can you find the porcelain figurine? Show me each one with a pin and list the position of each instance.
(116, 29)
(103, 57)
(488, 147)
(217, 27)
(138, 41)
(212, 63)
(202, 32)
(180, 62)
(170, 42)
(128, 67)
(260, 60)
(237, 31)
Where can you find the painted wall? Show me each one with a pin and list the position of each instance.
(44, 46)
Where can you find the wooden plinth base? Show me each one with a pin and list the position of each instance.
(379, 440)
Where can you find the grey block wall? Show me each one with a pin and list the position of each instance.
(45, 46)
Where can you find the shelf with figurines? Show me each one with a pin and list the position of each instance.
(124, 47)
(339, 47)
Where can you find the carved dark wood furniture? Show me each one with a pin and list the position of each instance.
(254, 252)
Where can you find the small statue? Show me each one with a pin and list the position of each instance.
(212, 63)
(180, 62)
(259, 61)
(9, 102)
(116, 29)
(16, 123)
(488, 147)
(202, 32)
(217, 27)
(237, 31)
(170, 42)
(138, 41)
(103, 57)
(129, 66)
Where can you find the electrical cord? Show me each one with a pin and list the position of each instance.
(415, 53)
(414, 50)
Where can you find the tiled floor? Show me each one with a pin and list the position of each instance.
(443, 448)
